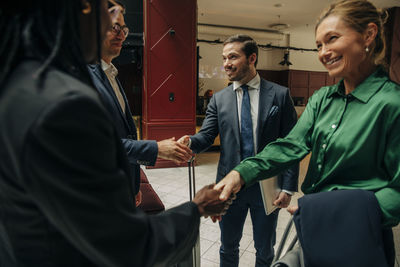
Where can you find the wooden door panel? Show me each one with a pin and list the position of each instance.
(169, 91)
(170, 51)
(299, 92)
(181, 108)
(317, 79)
(298, 78)
(167, 58)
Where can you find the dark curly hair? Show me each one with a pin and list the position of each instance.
(43, 30)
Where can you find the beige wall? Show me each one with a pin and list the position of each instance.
(303, 37)
(211, 72)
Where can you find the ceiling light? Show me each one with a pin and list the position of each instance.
(279, 26)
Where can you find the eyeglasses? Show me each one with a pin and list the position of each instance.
(116, 29)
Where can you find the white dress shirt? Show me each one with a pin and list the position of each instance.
(112, 72)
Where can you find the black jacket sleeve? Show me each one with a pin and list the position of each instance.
(75, 172)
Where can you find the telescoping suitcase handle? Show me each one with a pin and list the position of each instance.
(194, 259)
(284, 239)
(192, 179)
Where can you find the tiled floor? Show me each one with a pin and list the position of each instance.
(172, 186)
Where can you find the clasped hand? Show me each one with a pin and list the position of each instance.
(209, 203)
(172, 150)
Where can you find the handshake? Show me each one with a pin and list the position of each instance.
(209, 203)
(209, 199)
(177, 151)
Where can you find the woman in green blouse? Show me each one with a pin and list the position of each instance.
(352, 128)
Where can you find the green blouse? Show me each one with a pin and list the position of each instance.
(354, 140)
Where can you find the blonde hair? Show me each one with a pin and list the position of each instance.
(356, 14)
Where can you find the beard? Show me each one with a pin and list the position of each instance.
(242, 72)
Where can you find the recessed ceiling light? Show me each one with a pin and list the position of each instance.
(279, 26)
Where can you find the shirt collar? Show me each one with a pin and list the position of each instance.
(365, 90)
(253, 83)
(109, 69)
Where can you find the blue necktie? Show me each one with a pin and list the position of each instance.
(246, 126)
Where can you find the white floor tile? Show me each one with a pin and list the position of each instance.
(206, 263)
(247, 259)
(205, 245)
(212, 254)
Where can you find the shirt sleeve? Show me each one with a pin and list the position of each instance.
(284, 152)
(389, 196)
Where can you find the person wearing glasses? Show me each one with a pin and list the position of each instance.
(65, 195)
(140, 152)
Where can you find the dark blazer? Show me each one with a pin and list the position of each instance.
(65, 194)
(276, 117)
(142, 152)
(340, 228)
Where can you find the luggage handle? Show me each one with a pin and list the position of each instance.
(283, 241)
(192, 179)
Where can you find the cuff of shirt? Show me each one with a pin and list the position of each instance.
(288, 192)
(189, 143)
(247, 172)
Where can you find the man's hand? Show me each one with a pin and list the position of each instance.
(229, 185)
(138, 198)
(283, 200)
(184, 140)
(208, 202)
(175, 151)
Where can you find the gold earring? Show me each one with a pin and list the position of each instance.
(367, 49)
(87, 9)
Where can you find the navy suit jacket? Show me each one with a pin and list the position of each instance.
(340, 228)
(276, 117)
(142, 152)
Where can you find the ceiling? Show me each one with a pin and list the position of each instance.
(260, 14)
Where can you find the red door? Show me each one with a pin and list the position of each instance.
(169, 76)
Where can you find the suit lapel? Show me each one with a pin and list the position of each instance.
(103, 77)
(233, 116)
(267, 95)
(128, 113)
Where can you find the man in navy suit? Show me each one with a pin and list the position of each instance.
(270, 115)
(140, 152)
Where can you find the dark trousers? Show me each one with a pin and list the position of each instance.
(263, 229)
(388, 245)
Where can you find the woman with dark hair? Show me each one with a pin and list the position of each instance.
(351, 128)
(65, 194)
